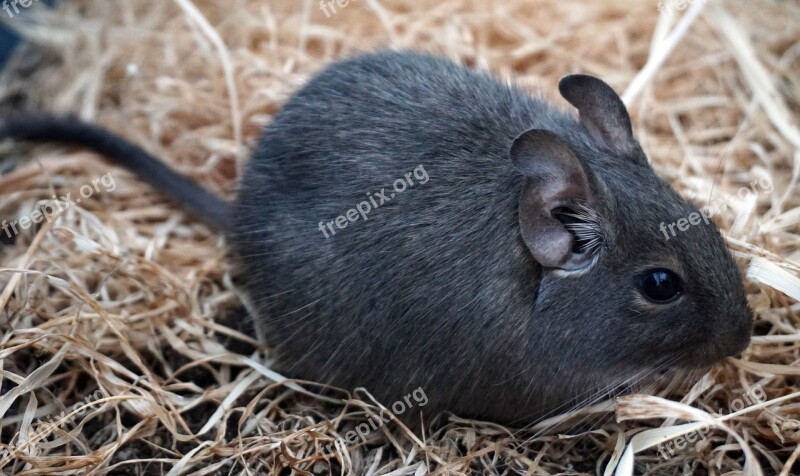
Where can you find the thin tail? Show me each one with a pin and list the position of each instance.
(43, 128)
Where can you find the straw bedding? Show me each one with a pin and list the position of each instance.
(125, 348)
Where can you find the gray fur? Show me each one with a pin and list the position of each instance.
(437, 289)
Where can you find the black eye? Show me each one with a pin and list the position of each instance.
(660, 285)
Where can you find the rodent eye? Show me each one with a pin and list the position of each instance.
(660, 285)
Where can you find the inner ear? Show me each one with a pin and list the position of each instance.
(555, 181)
(602, 113)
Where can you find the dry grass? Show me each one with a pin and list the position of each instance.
(122, 347)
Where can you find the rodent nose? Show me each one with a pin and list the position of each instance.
(735, 340)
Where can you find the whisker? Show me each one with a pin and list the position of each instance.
(611, 391)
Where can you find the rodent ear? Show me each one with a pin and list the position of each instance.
(602, 112)
(554, 178)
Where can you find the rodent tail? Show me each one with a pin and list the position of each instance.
(35, 127)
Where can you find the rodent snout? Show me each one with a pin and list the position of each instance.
(735, 339)
(731, 340)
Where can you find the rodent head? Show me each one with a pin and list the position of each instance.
(628, 295)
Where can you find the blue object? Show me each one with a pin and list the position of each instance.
(9, 39)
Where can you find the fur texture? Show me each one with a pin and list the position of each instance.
(436, 289)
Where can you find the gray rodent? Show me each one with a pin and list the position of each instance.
(526, 269)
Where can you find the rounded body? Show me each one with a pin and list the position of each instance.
(378, 226)
(432, 287)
